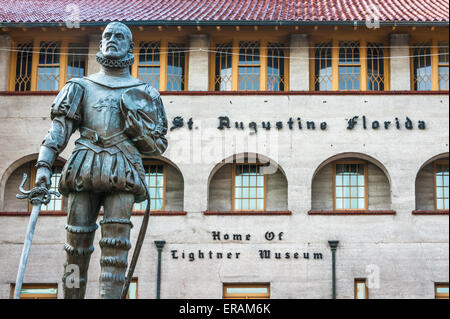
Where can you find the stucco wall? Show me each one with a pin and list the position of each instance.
(425, 188)
(410, 251)
(174, 189)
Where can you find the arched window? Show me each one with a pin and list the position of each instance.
(432, 186)
(353, 183)
(166, 187)
(247, 184)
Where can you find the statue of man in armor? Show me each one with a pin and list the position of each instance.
(120, 118)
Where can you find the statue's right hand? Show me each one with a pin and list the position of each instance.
(43, 177)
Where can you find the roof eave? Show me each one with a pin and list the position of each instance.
(231, 23)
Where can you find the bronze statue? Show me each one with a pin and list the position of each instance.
(120, 118)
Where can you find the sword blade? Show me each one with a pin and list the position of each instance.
(26, 249)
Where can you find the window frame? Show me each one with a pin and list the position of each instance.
(233, 199)
(366, 188)
(32, 185)
(263, 52)
(246, 296)
(358, 281)
(163, 58)
(439, 285)
(63, 59)
(364, 40)
(434, 52)
(439, 64)
(136, 281)
(35, 286)
(164, 165)
(436, 163)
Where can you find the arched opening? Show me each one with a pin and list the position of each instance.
(432, 184)
(247, 182)
(13, 176)
(351, 181)
(166, 185)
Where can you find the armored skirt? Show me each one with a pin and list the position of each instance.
(88, 171)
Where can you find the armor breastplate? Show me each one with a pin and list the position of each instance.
(101, 109)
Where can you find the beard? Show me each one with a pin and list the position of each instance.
(124, 62)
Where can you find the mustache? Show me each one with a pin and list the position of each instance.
(111, 45)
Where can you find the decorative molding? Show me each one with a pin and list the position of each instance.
(431, 212)
(282, 93)
(55, 214)
(248, 213)
(352, 212)
(19, 214)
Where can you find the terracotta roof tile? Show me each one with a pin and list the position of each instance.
(51, 11)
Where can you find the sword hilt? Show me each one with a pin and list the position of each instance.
(38, 195)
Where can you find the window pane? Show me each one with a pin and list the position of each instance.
(149, 63)
(132, 290)
(443, 65)
(223, 76)
(375, 67)
(48, 78)
(56, 202)
(347, 203)
(253, 204)
(323, 69)
(249, 78)
(175, 67)
(249, 188)
(31, 291)
(150, 75)
(249, 66)
(442, 186)
(275, 67)
(237, 204)
(155, 181)
(48, 69)
(76, 62)
(249, 53)
(422, 68)
(260, 204)
(22, 81)
(247, 290)
(349, 66)
(442, 290)
(350, 190)
(349, 78)
(260, 193)
(361, 203)
(361, 290)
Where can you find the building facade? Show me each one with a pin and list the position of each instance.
(298, 135)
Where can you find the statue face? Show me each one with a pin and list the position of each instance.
(115, 42)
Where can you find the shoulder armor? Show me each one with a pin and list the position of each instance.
(68, 100)
(154, 94)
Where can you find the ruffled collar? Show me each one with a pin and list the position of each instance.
(115, 64)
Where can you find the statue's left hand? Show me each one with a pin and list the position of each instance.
(134, 127)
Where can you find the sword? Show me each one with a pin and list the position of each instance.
(38, 196)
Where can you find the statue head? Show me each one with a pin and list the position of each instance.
(117, 41)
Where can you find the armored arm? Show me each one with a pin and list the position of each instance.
(145, 120)
(65, 119)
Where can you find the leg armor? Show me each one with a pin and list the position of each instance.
(80, 232)
(115, 244)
